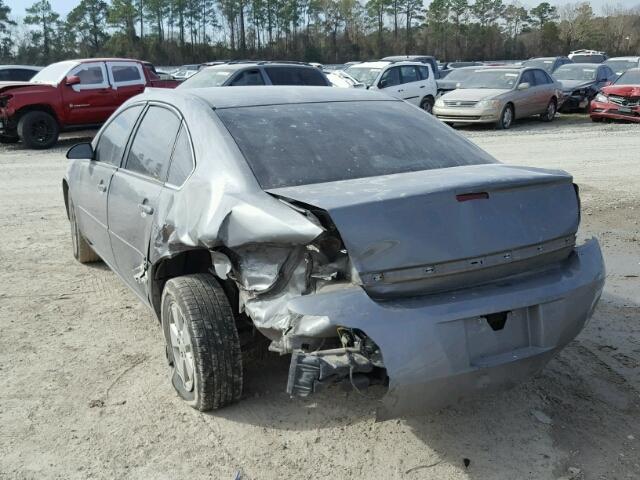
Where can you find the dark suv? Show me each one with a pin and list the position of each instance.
(234, 74)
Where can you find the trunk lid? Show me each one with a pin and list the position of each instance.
(420, 232)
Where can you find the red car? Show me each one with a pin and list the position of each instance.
(620, 100)
(70, 95)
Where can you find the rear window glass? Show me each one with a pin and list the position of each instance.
(295, 76)
(298, 144)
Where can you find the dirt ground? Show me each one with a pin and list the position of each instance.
(84, 390)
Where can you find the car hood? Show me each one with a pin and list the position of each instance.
(623, 90)
(34, 87)
(575, 84)
(474, 94)
(448, 84)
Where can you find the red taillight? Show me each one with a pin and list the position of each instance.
(465, 197)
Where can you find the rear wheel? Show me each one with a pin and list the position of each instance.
(82, 251)
(427, 104)
(550, 112)
(202, 342)
(506, 118)
(38, 130)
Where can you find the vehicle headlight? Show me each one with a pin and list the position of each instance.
(495, 104)
(439, 102)
(601, 97)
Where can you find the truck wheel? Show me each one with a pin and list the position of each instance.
(38, 130)
(82, 251)
(202, 342)
(9, 138)
(427, 104)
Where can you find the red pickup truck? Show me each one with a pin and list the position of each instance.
(70, 95)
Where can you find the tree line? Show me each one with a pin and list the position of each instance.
(174, 32)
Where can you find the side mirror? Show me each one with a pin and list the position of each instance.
(80, 151)
(382, 84)
(523, 86)
(72, 80)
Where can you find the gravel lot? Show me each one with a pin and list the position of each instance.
(84, 390)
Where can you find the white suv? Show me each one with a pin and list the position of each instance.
(413, 82)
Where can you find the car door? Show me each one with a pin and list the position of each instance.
(90, 187)
(127, 79)
(544, 91)
(92, 100)
(134, 192)
(524, 100)
(410, 84)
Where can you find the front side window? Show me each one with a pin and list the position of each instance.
(295, 76)
(408, 74)
(306, 143)
(248, 77)
(528, 77)
(182, 159)
(390, 78)
(152, 146)
(113, 139)
(91, 75)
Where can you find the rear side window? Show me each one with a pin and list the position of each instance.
(541, 77)
(248, 77)
(408, 74)
(126, 73)
(306, 143)
(182, 159)
(152, 146)
(113, 139)
(295, 76)
(424, 72)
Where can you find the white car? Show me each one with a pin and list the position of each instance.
(413, 82)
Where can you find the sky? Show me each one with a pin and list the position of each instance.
(64, 6)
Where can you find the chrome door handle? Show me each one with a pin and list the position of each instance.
(102, 187)
(145, 209)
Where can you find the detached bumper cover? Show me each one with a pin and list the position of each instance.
(439, 348)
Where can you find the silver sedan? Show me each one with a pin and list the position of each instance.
(349, 229)
(500, 96)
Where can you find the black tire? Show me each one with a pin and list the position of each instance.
(195, 306)
(506, 117)
(9, 139)
(427, 104)
(38, 130)
(550, 112)
(82, 251)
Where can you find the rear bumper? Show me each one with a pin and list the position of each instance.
(439, 348)
(612, 111)
(466, 115)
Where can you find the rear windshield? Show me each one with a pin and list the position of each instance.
(296, 76)
(588, 58)
(306, 143)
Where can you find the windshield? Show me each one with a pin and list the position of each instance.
(543, 63)
(460, 75)
(620, 66)
(588, 58)
(498, 79)
(576, 72)
(630, 77)
(306, 143)
(54, 73)
(208, 77)
(366, 75)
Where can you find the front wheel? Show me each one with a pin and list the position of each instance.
(202, 344)
(38, 130)
(427, 104)
(550, 112)
(82, 251)
(506, 118)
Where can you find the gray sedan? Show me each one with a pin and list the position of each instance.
(501, 95)
(353, 231)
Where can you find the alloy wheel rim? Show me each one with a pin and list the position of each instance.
(74, 230)
(41, 131)
(180, 341)
(507, 117)
(551, 110)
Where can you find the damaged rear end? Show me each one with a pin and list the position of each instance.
(440, 282)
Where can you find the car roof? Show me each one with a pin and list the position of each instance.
(408, 57)
(630, 58)
(276, 95)
(585, 64)
(385, 63)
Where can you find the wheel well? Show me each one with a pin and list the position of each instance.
(185, 263)
(513, 108)
(40, 107)
(65, 194)
(427, 96)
